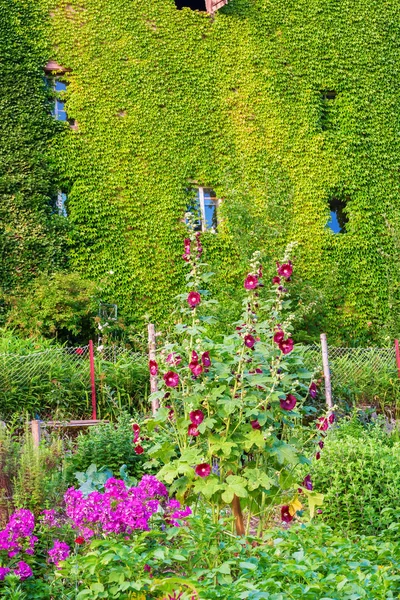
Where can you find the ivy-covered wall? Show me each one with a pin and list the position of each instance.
(279, 106)
(32, 236)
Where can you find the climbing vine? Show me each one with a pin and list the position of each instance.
(278, 106)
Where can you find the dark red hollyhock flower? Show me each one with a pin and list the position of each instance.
(192, 430)
(147, 568)
(171, 413)
(331, 418)
(318, 456)
(139, 449)
(193, 299)
(135, 428)
(321, 444)
(285, 514)
(173, 359)
(260, 272)
(289, 402)
(203, 470)
(249, 341)
(312, 390)
(195, 356)
(278, 336)
(307, 483)
(286, 346)
(196, 368)
(276, 280)
(136, 431)
(285, 270)
(205, 359)
(251, 282)
(186, 255)
(79, 540)
(79, 351)
(196, 417)
(153, 367)
(255, 424)
(171, 379)
(322, 424)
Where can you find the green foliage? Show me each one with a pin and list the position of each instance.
(109, 445)
(32, 234)
(359, 475)
(62, 306)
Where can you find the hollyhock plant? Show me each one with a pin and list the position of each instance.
(251, 282)
(289, 402)
(171, 379)
(193, 299)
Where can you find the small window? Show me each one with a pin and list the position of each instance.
(338, 218)
(192, 4)
(205, 206)
(327, 100)
(61, 204)
(59, 87)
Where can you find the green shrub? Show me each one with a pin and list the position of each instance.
(359, 475)
(109, 445)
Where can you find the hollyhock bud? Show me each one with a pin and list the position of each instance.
(153, 367)
(251, 282)
(318, 456)
(203, 470)
(285, 270)
(285, 514)
(321, 444)
(249, 341)
(139, 449)
(312, 390)
(278, 336)
(289, 402)
(79, 540)
(173, 359)
(255, 424)
(135, 428)
(276, 280)
(307, 483)
(171, 379)
(331, 418)
(193, 299)
(196, 368)
(192, 430)
(205, 359)
(196, 417)
(286, 346)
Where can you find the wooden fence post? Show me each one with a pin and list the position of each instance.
(155, 404)
(327, 373)
(36, 433)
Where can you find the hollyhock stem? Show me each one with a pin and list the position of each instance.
(237, 512)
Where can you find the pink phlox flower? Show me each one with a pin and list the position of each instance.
(49, 518)
(59, 551)
(3, 572)
(23, 570)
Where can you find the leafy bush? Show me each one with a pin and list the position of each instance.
(359, 475)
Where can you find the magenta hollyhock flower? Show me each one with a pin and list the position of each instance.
(307, 483)
(203, 470)
(286, 346)
(276, 280)
(3, 572)
(322, 424)
(186, 254)
(205, 359)
(285, 270)
(278, 336)
(153, 367)
(321, 444)
(139, 449)
(196, 368)
(173, 359)
(171, 379)
(289, 402)
(285, 514)
(193, 299)
(251, 282)
(192, 430)
(318, 456)
(312, 390)
(249, 341)
(195, 356)
(331, 418)
(196, 417)
(255, 424)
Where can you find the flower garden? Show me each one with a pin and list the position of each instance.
(240, 484)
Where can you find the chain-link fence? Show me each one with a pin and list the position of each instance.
(366, 375)
(57, 380)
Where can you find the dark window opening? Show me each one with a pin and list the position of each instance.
(327, 98)
(193, 4)
(338, 217)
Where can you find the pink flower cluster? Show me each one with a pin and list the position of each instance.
(59, 551)
(119, 509)
(18, 534)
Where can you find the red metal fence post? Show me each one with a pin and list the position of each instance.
(396, 345)
(92, 380)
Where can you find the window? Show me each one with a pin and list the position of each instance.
(59, 88)
(61, 204)
(211, 6)
(327, 100)
(205, 206)
(338, 218)
(54, 80)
